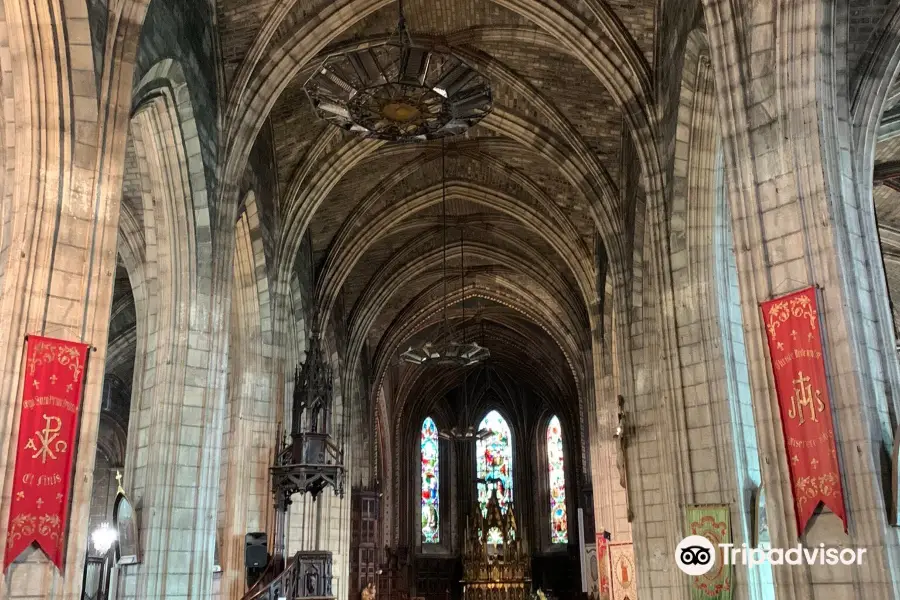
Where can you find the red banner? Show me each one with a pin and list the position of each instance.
(795, 346)
(603, 566)
(48, 428)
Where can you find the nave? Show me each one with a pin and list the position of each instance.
(448, 299)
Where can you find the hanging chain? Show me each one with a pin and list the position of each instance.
(444, 219)
(462, 269)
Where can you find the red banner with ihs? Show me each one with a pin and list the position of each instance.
(45, 449)
(795, 346)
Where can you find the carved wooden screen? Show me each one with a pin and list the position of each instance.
(364, 538)
(437, 578)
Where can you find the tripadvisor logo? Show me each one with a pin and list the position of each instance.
(696, 555)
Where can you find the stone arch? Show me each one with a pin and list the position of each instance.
(172, 379)
(593, 52)
(415, 264)
(355, 238)
(618, 66)
(341, 161)
(635, 111)
(512, 296)
(877, 71)
(859, 235)
(131, 249)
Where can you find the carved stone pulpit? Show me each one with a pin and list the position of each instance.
(312, 461)
(314, 572)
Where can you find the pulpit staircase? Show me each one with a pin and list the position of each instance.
(307, 576)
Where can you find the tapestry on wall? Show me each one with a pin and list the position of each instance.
(623, 579)
(713, 523)
(795, 348)
(590, 573)
(603, 583)
(45, 449)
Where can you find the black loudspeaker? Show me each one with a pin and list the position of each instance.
(256, 555)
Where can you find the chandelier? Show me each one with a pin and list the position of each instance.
(451, 354)
(399, 91)
(444, 350)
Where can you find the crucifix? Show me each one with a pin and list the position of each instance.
(621, 436)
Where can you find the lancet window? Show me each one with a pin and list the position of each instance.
(430, 452)
(559, 525)
(494, 462)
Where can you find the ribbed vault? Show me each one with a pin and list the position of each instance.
(494, 232)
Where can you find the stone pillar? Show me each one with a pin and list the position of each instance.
(175, 431)
(63, 178)
(250, 433)
(784, 110)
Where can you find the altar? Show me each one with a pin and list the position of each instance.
(495, 571)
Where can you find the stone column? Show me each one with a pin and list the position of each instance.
(250, 433)
(784, 110)
(175, 431)
(59, 213)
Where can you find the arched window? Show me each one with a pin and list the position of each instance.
(431, 514)
(559, 525)
(494, 465)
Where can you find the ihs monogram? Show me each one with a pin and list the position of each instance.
(805, 398)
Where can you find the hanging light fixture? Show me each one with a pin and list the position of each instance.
(445, 350)
(399, 91)
(103, 538)
(469, 433)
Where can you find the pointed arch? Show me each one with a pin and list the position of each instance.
(556, 471)
(494, 465)
(430, 454)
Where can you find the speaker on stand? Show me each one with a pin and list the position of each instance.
(256, 556)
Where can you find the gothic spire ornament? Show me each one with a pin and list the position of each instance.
(312, 461)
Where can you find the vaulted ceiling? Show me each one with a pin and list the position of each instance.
(886, 193)
(524, 229)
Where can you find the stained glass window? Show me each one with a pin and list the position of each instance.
(559, 527)
(494, 465)
(431, 520)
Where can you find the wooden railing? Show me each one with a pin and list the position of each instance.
(276, 582)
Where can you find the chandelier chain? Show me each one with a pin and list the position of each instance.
(444, 219)
(462, 269)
